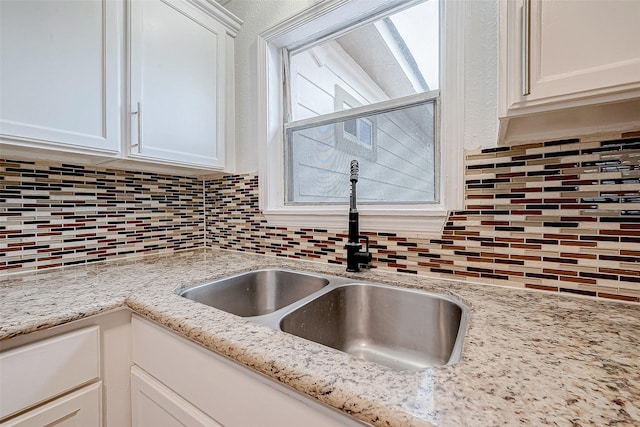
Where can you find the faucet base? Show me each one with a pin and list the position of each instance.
(355, 257)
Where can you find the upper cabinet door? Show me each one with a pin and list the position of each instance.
(568, 53)
(59, 74)
(177, 103)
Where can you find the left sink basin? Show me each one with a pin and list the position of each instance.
(256, 293)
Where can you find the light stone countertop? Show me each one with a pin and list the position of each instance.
(529, 358)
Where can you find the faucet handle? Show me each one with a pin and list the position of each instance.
(366, 239)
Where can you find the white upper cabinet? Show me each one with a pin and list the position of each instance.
(569, 53)
(178, 78)
(118, 81)
(59, 74)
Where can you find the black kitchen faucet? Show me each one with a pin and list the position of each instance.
(354, 256)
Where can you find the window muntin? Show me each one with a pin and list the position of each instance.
(366, 68)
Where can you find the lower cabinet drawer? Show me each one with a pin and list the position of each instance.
(80, 408)
(36, 372)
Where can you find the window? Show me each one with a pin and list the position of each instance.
(370, 64)
(359, 84)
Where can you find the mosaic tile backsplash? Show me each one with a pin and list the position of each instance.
(560, 216)
(58, 215)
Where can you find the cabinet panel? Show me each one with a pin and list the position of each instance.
(39, 371)
(581, 46)
(177, 68)
(221, 389)
(153, 404)
(579, 53)
(59, 73)
(80, 408)
(569, 32)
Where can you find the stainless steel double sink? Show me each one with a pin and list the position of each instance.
(400, 328)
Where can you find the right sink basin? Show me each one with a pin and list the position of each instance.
(399, 328)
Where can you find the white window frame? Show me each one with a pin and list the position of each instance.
(423, 218)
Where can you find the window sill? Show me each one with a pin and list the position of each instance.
(371, 219)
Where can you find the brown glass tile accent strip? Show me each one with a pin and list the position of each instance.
(565, 219)
(54, 215)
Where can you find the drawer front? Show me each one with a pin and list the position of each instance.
(36, 372)
(81, 408)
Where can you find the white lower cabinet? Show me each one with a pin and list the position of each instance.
(175, 379)
(153, 404)
(76, 374)
(80, 374)
(82, 408)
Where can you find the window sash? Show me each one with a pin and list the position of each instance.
(356, 113)
(365, 110)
